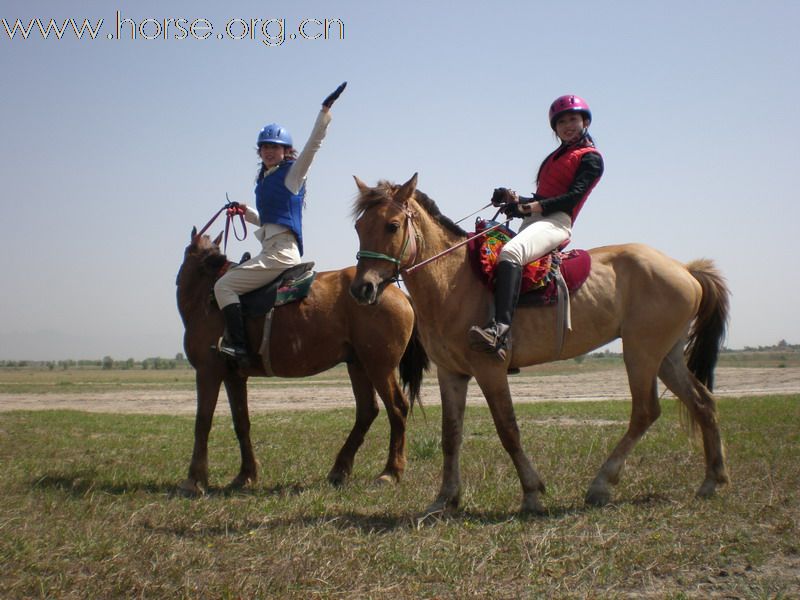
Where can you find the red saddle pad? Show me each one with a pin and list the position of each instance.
(538, 278)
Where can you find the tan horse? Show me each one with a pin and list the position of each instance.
(658, 306)
(308, 337)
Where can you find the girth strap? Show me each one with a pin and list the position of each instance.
(264, 350)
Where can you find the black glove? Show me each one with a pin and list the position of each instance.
(514, 210)
(501, 197)
(328, 102)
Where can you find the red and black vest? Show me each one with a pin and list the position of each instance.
(558, 173)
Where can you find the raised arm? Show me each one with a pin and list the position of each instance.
(297, 174)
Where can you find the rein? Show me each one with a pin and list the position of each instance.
(472, 214)
(232, 209)
(411, 241)
(451, 248)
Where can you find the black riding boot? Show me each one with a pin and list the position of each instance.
(494, 338)
(234, 343)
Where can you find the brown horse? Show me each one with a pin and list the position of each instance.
(326, 328)
(654, 303)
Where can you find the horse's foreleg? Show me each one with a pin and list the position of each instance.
(236, 387)
(366, 411)
(701, 406)
(645, 410)
(499, 398)
(207, 383)
(397, 410)
(453, 390)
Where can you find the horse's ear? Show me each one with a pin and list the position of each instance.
(218, 239)
(362, 187)
(407, 189)
(194, 234)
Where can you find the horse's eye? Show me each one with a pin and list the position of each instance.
(392, 227)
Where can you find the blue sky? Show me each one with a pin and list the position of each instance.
(114, 148)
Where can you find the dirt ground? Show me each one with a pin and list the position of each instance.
(604, 385)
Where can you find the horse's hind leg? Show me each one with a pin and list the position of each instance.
(702, 410)
(236, 387)
(645, 410)
(366, 411)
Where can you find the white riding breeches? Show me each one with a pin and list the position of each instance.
(538, 236)
(278, 253)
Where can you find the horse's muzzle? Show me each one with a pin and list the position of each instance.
(364, 292)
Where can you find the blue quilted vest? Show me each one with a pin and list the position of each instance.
(276, 204)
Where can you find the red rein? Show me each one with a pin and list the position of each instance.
(232, 210)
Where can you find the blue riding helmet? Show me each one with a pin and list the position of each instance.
(274, 134)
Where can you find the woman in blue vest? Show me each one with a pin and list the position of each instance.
(280, 194)
(565, 179)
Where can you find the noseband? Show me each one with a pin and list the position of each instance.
(409, 247)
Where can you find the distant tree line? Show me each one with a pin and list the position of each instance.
(105, 363)
(782, 346)
(180, 362)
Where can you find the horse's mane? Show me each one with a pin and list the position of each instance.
(206, 253)
(384, 193)
(201, 265)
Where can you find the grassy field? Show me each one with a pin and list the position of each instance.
(88, 510)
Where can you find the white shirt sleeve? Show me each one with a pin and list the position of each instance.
(297, 173)
(251, 216)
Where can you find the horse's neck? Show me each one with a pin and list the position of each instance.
(442, 279)
(193, 298)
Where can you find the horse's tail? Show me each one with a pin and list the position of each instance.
(708, 329)
(413, 365)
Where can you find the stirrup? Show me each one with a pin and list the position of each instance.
(503, 346)
(482, 338)
(237, 355)
(492, 339)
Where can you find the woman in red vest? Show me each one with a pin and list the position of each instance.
(565, 179)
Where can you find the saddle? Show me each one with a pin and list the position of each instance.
(540, 286)
(292, 285)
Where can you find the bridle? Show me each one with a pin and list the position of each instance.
(408, 252)
(410, 245)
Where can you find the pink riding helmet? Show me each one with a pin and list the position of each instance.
(568, 103)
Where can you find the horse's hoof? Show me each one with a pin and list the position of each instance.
(433, 514)
(532, 506)
(707, 489)
(241, 482)
(438, 510)
(597, 496)
(190, 488)
(337, 478)
(386, 479)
